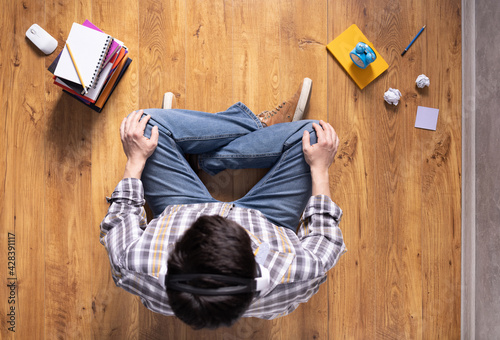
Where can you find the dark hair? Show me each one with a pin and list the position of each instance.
(212, 245)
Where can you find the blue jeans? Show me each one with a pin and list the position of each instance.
(233, 139)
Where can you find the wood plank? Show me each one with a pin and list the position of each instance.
(115, 312)
(68, 156)
(209, 55)
(441, 216)
(351, 112)
(162, 53)
(209, 80)
(22, 126)
(398, 193)
(303, 52)
(256, 50)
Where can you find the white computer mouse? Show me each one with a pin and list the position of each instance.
(44, 41)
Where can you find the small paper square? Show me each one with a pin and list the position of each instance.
(427, 118)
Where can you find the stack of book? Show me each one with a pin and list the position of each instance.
(91, 65)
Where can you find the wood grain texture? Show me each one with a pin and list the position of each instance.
(209, 57)
(441, 214)
(68, 180)
(23, 125)
(256, 72)
(353, 176)
(399, 187)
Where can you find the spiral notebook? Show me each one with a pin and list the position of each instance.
(89, 49)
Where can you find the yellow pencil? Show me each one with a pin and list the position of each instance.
(76, 67)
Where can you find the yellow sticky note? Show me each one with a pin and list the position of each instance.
(341, 46)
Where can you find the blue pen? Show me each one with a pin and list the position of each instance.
(406, 49)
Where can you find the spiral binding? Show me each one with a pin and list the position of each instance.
(97, 72)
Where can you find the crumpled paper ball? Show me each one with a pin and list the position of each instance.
(422, 81)
(392, 96)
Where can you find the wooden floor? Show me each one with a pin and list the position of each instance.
(399, 186)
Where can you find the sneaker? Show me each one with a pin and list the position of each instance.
(168, 101)
(291, 110)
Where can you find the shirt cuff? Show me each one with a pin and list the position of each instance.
(322, 204)
(129, 191)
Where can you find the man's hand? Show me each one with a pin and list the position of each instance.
(320, 156)
(137, 147)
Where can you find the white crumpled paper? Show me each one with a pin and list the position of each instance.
(422, 81)
(392, 96)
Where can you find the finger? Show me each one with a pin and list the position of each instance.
(327, 133)
(154, 135)
(144, 121)
(122, 128)
(129, 120)
(136, 117)
(326, 127)
(335, 138)
(320, 133)
(306, 140)
(136, 125)
(139, 115)
(334, 134)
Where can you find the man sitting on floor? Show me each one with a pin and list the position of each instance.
(210, 262)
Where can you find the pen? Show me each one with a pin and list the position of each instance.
(419, 32)
(77, 70)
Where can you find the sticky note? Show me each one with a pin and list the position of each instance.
(427, 118)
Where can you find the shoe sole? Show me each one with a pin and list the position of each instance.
(303, 103)
(168, 101)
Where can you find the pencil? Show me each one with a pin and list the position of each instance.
(411, 43)
(76, 67)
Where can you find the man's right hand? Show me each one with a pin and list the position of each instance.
(137, 147)
(320, 156)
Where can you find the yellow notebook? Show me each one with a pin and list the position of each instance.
(341, 46)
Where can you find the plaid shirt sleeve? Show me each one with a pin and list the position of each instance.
(319, 231)
(124, 223)
(318, 246)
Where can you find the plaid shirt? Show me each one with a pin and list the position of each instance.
(298, 263)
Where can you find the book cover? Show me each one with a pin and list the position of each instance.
(89, 48)
(111, 89)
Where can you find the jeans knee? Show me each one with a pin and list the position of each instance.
(296, 137)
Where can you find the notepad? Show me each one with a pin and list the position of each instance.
(89, 49)
(343, 44)
(113, 48)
